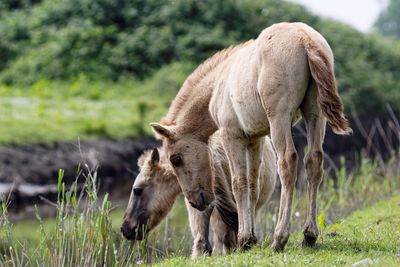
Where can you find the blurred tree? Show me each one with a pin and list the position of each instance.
(59, 39)
(114, 39)
(388, 22)
(6, 5)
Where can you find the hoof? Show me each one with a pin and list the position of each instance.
(309, 239)
(310, 236)
(201, 248)
(279, 243)
(277, 247)
(247, 243)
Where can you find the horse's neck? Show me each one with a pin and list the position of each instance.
(194, 117)
(220, 164)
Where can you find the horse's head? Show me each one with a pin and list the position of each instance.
(153, 194)
(190, 159)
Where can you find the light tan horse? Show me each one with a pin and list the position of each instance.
(248, 91)
(156, 188)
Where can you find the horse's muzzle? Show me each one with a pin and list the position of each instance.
(131, 233)
(127, 232)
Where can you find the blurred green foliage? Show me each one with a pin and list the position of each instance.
(6, 5)
(110, 40)
(58, 39)
(388, 22)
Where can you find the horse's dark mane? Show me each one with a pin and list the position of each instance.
(224, 200)
(226, 208)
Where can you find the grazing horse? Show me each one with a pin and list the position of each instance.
(155, 190)
(257, 88)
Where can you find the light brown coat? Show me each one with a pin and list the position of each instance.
(258, 88)
(157, 188)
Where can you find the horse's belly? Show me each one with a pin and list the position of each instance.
(258, 125)
(253, 119)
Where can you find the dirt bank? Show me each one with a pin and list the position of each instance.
(38, 164)
(115, 160)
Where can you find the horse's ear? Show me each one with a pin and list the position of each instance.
(142, 158)
(155, 156)
(161, 130)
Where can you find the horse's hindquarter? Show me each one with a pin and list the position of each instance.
(261, 79)
(284, 72)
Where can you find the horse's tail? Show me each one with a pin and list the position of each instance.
(322, 71)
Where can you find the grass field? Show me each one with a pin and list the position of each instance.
(372, 233)
(50, 111)
(85, 231)
(32, 119)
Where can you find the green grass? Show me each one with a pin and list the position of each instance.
(49, 111)
(373, 233)
(90, 227)
(31, 120)
(29, 230)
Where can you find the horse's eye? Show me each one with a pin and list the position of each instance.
(137, 191)
(176, 160)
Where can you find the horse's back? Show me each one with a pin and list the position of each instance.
(290, 34)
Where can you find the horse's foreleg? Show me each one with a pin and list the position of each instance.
(235, 150)
(199, 225)
(218, 228)
(313, 161)
(281, 133)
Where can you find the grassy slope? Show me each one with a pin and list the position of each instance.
(56, 113)
(372, 233)
(51, 111)
(32, 120)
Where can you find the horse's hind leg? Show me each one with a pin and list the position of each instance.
(281, 133)
(315, 124)
(199, 226)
